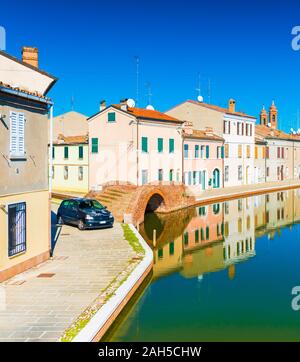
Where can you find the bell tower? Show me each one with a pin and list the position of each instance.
(263, 117)
(273, 116)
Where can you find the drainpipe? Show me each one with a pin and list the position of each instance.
(51, 147)
(137, 152)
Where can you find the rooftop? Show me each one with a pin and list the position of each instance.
(202, 134)
(71, 140)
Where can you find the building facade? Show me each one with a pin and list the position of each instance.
(24, 187)
(203, 154)
(70, 169)
(237, 129)
(133, 146)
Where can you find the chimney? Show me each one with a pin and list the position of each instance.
(209, 131)
(231, 105)
(102, 105)
(30, 56)
(123, 103)
(188, 128)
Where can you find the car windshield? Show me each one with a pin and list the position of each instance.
(88, 204)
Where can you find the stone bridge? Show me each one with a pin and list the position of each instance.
(130, 203)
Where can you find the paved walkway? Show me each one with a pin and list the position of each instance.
(239, 190)
(34, 308)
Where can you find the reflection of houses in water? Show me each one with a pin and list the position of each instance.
(239, 230)
(208, 238)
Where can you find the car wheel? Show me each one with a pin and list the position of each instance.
(60, 220)
(81, 225)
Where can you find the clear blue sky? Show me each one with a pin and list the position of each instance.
(244, 48)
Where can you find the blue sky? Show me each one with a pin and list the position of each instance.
(244, 48)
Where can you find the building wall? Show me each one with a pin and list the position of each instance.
(70, 124)
(259, 163)
(193, 165)
(72, 183)
(37, 233)
(117, 158)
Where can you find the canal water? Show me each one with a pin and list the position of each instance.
(222, 272)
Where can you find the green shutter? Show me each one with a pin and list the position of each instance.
(197, 236)
(80, 152)
(94, 145)
(160, 145)
(111, 117)
(186, 151)
(196, 151)
(53, 153)
(207, 233)
(207, 151)
(186, 238)
(66, 152)
(160, 253)
(144, 144)
(222, 152)
(171, 145)
(171, 248)
(171, 175)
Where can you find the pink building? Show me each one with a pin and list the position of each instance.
(203, 154)
(133, 146)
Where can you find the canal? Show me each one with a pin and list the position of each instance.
(222, 272)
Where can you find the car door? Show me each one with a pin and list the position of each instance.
(63, 210)
(73, 212)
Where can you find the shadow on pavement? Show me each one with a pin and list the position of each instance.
(55, 231)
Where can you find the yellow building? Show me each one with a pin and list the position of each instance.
(24, 187)
(70, 164)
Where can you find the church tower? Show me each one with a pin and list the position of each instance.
(273, 116)
(263, 117)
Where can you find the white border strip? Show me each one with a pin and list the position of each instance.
(88, 333)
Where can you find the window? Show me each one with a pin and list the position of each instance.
(171, 145)
(80, 173)
(144, 177)
(207, 232)
(53, 153)
(111, 117)
(160, 174)
(202, 211)
(226, 207)
(278, 152)
(226, 148)
(186, 238)
(66, 172)
(94, 145)
(53, 174)
(197, 236)
(226, 172)
(240, 151)
(226, 229)
(171, 248)
(194, 177)
(207, 152)
(240, 173)
(16, 228)
(202, 234)
(282, 152)
(216, 209)
(80, 152)
(144, 144)
(256, 152)
(248, 151)
(226, 129)
(66, 152)
(268, 171)
(240, 225)
(171, 173)
(17, 134)
(190, 177)
(267, 152)
(196, 151)
(160, 145)
(160, 253)
(186, 151)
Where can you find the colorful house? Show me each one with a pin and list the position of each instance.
(70, 168)
(203, 154)
(235, 127)
(133, 146)
(24, 187)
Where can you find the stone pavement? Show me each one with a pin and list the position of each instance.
(35, 307)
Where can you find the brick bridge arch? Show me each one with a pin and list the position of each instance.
(157, 198)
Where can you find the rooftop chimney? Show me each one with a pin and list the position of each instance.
(123, 103)
(30, 56)
(209, 131)
(231, 105)
(188, 128)
(102, 105)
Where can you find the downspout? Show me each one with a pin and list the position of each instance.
(137, 152)
(51, 149)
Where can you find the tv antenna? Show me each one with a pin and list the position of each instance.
(72, 102)
(209, 90)
(149, 94)
(137, 64)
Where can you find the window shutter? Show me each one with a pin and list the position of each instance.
(207, 151)
(160, 144)
(222, 152)
(13, 133)
(171, 145)
(21, 134)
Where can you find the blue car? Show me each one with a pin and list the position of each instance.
(84, 213)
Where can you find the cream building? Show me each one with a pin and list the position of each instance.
(24, 192)
(236, 128)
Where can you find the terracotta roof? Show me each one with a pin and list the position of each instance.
(149, 114)
(36, 94)
(202, 134)
(268, 132)
(220, 109)
(71, 140)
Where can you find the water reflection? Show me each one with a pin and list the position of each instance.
(209, 238)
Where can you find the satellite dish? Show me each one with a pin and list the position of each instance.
(269, 124)
(150, 107)
(200, 99)
(298, 131)
(292, 130)
(130, 103)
